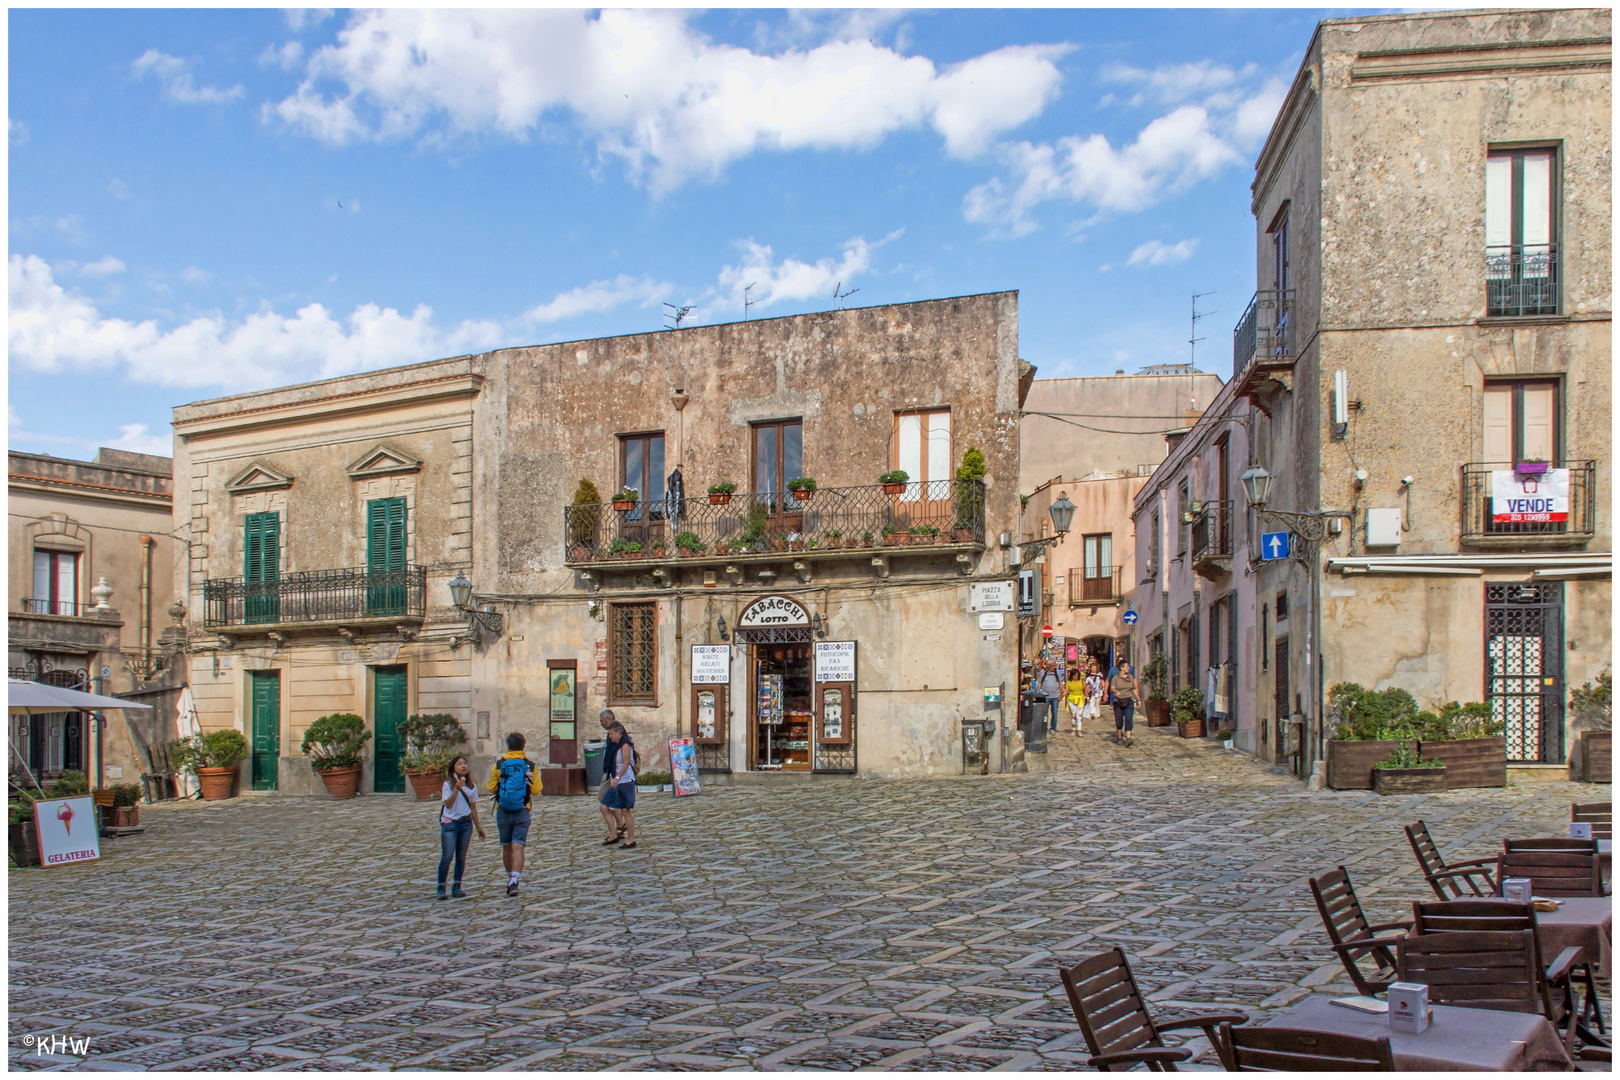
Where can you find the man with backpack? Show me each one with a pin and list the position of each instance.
(514, 780)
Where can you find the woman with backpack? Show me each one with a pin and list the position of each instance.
(458, 817)
(621, 794)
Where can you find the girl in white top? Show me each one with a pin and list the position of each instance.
(1094, 693)
(458, 817)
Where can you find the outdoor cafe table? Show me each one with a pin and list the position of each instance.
(1582, 921)
(1459, 1040)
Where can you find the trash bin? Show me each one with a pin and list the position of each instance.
(594, 749)
(1034, 713)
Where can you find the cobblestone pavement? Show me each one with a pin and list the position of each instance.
(829, 925)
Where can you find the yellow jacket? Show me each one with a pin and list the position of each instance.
(1077, 691)
(495, 773)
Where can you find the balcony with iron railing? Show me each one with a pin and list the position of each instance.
(66, 608)
(1094, 585)
(355, 596)
(1263, 339)
(1212, 540)
(827, 523)
(1486, 525)
(1521, 279)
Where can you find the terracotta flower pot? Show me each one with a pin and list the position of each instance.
(624, 504)
(893, 489)
(126, 817)
(895, 539)
(341, 783)
(426, 783)
(803, 494)
(216, 783)
(719, 498)
(962, 536)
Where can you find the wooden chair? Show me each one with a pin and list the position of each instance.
(1491, 969)
(1468, 916)
(1600, 815)
(1555, 867)
(1450, 881)
(1351, 936)
(1113, 1016)
(1278, 1049)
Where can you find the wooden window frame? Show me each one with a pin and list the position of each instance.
(778, 483)
(53, 597)
(614, 696)
(1183, 499)
(922, 450)
(1515, 153)
(627, 437)
(1516, 421)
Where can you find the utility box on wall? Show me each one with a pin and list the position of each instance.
(1384, 527)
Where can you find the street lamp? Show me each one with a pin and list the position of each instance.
(1256, 486)
(1062, 512)
(479, 623)
(1311, 525)
(460, 591)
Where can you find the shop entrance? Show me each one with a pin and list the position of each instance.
(783, 705)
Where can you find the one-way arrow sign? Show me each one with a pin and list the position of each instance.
(1274, 545)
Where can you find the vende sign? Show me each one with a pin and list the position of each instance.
(1516, 498)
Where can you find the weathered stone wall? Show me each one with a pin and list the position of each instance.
(1149, 404)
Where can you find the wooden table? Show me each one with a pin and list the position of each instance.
(1459, 1040)
(1585, 922)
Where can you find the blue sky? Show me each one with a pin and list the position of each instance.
(205, 202)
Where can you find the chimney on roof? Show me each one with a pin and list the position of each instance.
(1119, 371)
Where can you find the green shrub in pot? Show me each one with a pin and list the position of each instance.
(335, 741)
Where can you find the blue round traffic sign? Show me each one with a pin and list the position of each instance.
(1130, 618)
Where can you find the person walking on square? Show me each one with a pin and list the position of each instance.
(1077, 697)
(1123, 689)
(1053, 690)
(458, 817)
(610, 758)
(514, 781)
(621, 796)
(1095, 691)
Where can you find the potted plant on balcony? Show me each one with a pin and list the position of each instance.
(1156, 677)
(720, 494)
(894, 482)
(690, 543)
(431, 742)
(333, 744)
(753, 538)
(1187, 711)
(893, 535)
(969, 496)
(1531, 467)
(795, 541)
(584, 524)
(658, 549)
(802, 488)
(925, 534)
(866, 539)
(625, 500)
(1404, 772)
(1592, 707)
(213, 757)
(625, 549)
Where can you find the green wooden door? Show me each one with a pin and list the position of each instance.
(266, 710)
(385, 557)
(261, 567)
(388, 705)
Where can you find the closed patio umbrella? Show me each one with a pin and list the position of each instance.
(35, 699)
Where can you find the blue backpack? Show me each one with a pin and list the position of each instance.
(512, 792)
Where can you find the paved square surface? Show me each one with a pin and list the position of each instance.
(828, 925)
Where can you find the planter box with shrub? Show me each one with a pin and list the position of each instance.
(214, 757)
(1417, 781)
(1469, 763)
(1350, 762)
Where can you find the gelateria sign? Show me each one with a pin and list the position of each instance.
(772, 611)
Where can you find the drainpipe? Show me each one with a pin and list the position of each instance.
(146, 596)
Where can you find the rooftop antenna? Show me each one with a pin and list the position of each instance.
(747, 303)
(677, 314)
(840, 297)
(1192, 342)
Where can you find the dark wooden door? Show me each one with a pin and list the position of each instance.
(266, 720)
(388, 707)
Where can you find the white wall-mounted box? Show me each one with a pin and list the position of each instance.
(1384, 526)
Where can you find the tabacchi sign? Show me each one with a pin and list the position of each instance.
(773, 611)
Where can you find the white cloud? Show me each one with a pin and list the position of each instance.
(138, 438)
(103, 266)
(286, 57)
(306, 18)
(599, 296)
(118, 189)
(178, 85)
(1154, 253)
(1252, 121)
(791, 279)
(195, 275)
(1171, 83)
(53, 330)
(17, 131)
(648, 88)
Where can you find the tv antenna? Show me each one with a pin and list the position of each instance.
(678, 314)
(1192, 342)
(840, 297)
(747, 303)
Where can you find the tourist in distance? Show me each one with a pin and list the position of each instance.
(1077, 697)
(1122, 687)
(610, 756)
(621, 796)
(458, 817)
(1053, 690)
(514, 780)
(1096, 689)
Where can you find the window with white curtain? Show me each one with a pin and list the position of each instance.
(923, 452)
(56, 583)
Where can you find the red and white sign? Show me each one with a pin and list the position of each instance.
(1046, 631)
(67, 830)
(1530, 498)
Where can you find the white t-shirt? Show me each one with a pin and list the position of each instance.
(462, 807)
(627, 754)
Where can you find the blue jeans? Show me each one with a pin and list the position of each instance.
(1052, 703)
(453, 841)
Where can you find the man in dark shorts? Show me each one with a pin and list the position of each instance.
(514, 780)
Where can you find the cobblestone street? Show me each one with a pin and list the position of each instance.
(827, 925)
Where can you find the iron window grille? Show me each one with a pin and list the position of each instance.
(634, 651)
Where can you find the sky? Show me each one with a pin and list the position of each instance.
(207, 202)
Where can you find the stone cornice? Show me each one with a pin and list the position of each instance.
(333, 406)
(99, 492)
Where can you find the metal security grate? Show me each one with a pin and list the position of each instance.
(1523, 644)
(634, 650)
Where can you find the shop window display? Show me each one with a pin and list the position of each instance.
(783, 707)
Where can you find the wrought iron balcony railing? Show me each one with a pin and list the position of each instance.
(1521, 279)
(1577, 522)
(851, 519)
(1263, 332)
(317, 596)
(54, 607)
(1094, 585)
(1212, 538)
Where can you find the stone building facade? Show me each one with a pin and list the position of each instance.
(1432, 326)
(838, 629)
(91, 583)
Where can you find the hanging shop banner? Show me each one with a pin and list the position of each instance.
(67, 830)
(683, 766)
(711, 664)
(773, 611)
(1529, 497)
(991, 596)
(835, 661)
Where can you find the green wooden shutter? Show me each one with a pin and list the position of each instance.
(385, 556)
(261, 566)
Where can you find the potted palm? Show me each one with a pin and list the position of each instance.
(1187, 710)
(431, 741)
(894, 482)
(333, 744)
(625, 500)
(720, 494)
(214, 757)
(802, 488)
(1156, 677)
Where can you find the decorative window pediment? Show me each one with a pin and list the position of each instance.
(258, 477)
(383, 460)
